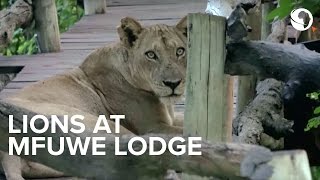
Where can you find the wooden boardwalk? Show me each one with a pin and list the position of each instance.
(92, 32)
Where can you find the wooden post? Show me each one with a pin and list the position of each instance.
(47, 29)
(206, 110)
(95, 7)
(206, 100)
(224, 8)
(266, 8)
(247, 84)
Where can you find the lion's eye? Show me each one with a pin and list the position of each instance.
(180, 51)
(151, 55)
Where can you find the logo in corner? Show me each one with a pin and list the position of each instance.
(301, 19)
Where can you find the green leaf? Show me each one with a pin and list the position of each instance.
(17, 32)
(30, 50)
(8, 53)
(317, 111)
(22, 39)
(285, 3)
(22, 49)
(313, 123)
(313, 96)
(273, 14)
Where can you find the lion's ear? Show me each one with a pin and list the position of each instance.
(129, 30)
(182, 25)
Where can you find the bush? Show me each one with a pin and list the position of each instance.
(20, 44)
(68, 13)
(315, 121)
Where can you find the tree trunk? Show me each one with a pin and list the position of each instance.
(47, 28)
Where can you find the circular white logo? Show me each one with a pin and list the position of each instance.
(298, 18)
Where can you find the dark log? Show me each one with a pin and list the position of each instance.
(313, 45)
(264, 111)
(294, 65)
(19, 14)
(234, 161)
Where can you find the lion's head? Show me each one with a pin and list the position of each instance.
(157, 57)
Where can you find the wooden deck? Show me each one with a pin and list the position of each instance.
(92, 32)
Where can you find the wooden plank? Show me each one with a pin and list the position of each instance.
(97, 40)
(19, 84)
(88, 46)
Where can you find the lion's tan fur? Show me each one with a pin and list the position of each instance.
(116, 79)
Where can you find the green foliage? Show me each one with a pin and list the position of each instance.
(312, 5)
(314, 95)
(4, 4)
(286, 6)
(68, 13)
(21, 45)
(314, 122)
(315, 172)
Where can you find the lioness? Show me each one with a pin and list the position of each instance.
(141, 77)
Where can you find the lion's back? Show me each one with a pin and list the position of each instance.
(71, 89)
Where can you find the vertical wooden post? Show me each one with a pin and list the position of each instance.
(224, 8)
(247, 84)
(47, 28)
(206, 99)
(266, 8)
(95, 7)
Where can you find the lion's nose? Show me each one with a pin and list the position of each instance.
(172, 84)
